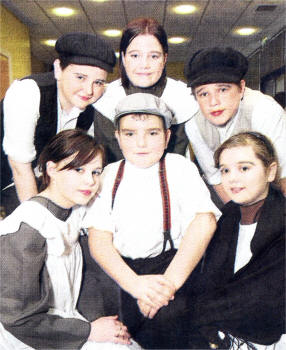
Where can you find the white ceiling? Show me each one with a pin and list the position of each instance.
(211, 25)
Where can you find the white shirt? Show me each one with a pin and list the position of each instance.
(21, 113)
(136, 220)
(268, 118)
(176, 95)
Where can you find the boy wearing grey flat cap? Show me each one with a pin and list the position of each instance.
(41, 105)
(228, 107)
(150, 224)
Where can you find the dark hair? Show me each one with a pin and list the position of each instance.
(65, 61)
(137, 27)
(261, 145)
(65, 144)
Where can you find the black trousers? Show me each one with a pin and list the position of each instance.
(169, 328)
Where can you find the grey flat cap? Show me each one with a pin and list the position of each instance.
(144, 104)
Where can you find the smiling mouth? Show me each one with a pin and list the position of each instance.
(217, 113)
(86, 192)
(84, 98)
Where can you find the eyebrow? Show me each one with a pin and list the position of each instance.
(241, 162)
(136, 50)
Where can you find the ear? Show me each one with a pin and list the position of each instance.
(242, 87)
(165, 58)
(57, 69)
(272, 170)
(51, 168)
(123, 58)
(167, 137)
(116, 133)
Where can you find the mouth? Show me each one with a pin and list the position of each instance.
(85, 98)
(236, 190)
(217, 113)
(86, 193)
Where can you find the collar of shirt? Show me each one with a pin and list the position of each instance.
(67, 120)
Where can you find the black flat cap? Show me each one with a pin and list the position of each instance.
(215, 65)
(87, 49)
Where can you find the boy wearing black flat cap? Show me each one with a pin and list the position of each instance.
(41, 105)
(227, 107)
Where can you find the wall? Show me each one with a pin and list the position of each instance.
(267, 66)
(15, 44)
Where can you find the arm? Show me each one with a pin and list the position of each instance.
(24, 179)
(154, 290)
(191, 249)
(21, 113)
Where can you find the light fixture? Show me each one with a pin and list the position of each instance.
(184, 9)
(63, 11)
(117, 54)
(99, 0)
(50, 42)
(112, 32)
(244, 31)
(176, 40)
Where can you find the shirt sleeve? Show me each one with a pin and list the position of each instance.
(24, 290)
(194, 196)
(21, 112)
(269, 118)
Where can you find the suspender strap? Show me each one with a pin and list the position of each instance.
(165, 199)
(166, 205)
(118, 179)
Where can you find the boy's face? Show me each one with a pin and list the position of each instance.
(219, 102)
(142, 139)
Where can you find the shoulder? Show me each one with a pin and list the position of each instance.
(22, 89)
(178, 165)
(261, 102)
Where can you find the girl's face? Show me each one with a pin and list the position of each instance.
(70, 187)
(79, 85)
(219, 102)
(244, 176)
(144, 60)
(142, 139)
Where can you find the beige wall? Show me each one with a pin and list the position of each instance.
(15, 44)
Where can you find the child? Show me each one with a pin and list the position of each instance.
(151, 224)
(41, 259)
(227, 107)
(242, 285)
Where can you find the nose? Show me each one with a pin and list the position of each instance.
(88, 89)
(145, 62)
(90, 179)
(141, 140)
(214, 99)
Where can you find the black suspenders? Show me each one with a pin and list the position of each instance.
(165, 199)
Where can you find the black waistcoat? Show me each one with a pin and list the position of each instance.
(46, 126)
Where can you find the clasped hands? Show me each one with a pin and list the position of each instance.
(153, 292)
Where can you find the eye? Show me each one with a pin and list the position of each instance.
(99, 83)
(128, 133)
(154, 133)
(155, 56)
(97, 172)
(80, 77)
(134, 55)
(224, 89)
(78, 170)
(202, 94)
(244, 168)
(224, 171)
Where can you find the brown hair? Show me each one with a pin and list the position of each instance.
(261, 145)
(137, 27)
(65, 144)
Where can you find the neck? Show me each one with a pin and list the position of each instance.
(250, 213)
